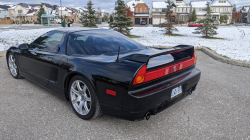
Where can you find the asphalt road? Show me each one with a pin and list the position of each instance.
(218, 109)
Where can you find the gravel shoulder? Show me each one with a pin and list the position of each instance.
(218, 109)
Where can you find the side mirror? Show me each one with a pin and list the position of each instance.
(24, 46)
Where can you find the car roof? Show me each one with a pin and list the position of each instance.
(75, 29)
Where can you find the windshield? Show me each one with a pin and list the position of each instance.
(97, 42)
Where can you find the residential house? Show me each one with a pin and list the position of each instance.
(182, 10)
(23, 12)
(4, 12)
(244, 13)
(65, 12)
(221, 8)
(158, 12)
(81, 11)
(140, 11)
(199, 7)
(218, 7)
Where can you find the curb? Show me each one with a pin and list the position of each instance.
(225, 60)
(2, 53)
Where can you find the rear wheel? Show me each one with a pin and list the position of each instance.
(13, 67)
(83, 98)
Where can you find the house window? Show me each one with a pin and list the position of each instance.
(19, 11)
(136, 10)
(145, 10)
(156, 10)
(225, 9)
(141, 10)
(214, 17)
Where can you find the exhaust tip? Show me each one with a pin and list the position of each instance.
(147, 116)
(190, 91)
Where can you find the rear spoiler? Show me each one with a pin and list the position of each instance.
(144, 58)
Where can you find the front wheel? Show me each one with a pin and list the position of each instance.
(83, 98)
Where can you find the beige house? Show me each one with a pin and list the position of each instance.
(23, 12)
(158, 12)
(182, 10)
(218, 7)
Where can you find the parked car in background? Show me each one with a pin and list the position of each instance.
(143, 22)
(194, 24)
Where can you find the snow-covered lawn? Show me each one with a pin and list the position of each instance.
(236, 42)
(14, 37)
(235, 45)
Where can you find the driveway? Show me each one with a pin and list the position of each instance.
(218, 109)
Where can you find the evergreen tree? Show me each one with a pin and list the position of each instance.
(111, 19)
(193, 16)
(40, 13)
(90, 16)
(169, 17)
(207, 29)
(122, 22)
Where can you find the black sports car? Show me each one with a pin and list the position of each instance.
(102, 71)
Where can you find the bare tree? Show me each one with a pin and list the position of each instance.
(170, 18)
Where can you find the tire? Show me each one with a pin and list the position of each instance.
(83, 98)
(13, 67)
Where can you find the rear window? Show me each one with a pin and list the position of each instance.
(97, 42)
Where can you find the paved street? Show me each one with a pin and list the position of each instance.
(218, 109)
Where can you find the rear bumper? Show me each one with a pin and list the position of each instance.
(135, 107)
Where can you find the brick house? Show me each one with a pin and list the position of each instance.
(140, 11)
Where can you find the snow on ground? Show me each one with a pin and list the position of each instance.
(14, 37)
(235, 45)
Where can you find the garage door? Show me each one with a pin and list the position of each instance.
(137, 21)
(145, 19)
(156, 21)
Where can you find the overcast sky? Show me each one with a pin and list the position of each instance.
(107, 5)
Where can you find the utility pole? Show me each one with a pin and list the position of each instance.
(61, 9)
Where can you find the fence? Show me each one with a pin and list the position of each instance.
(6, 21)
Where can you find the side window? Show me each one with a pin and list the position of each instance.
(49, 41)
(75, 44)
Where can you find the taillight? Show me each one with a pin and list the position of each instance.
(144, 76)
(194, 55)
(140, 76)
